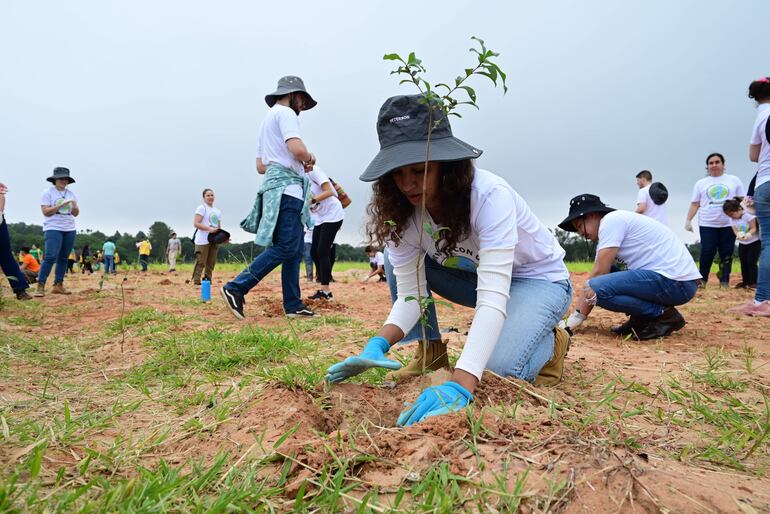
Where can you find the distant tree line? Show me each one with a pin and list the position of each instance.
(23, 234)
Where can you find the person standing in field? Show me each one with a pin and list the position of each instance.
(376, 263)
(327, 221)
(145, 248)
(493, 255)
(108, 250)
(16, 277)
(71, 258)
(59, 206)
(651, 198)
(716, 234)
(36, 253)
(207, 220)
(307, 254)
(282, 205)
(173, 250)
(86, 260)
(759, 152)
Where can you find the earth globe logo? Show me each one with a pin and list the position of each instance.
(717, 192)
(213, 219)
(461, 263)
(66, 209)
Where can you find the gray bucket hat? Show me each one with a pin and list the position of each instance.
(402, 127)
(290, 84)
(59, 172)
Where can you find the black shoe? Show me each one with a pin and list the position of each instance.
(234, 302)
(23, 295)
(633, 323)
(665, 324)
(303, 312)
(382, 279)
(321, 295)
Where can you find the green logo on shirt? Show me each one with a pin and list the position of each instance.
(67, 209)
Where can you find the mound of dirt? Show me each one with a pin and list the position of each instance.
(165, 282)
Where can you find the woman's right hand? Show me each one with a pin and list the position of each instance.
(688, 226)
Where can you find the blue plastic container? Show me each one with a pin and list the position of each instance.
(206, 290)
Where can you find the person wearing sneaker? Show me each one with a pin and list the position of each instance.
(60, 207)
(282, 204)
(660, 272)
(489, 252)
(16, 277)
(759, 152)
(328, 215)
(207, 220)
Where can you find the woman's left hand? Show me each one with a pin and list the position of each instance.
(435, 401)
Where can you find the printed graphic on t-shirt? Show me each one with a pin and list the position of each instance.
(67, 209)
(213, 219)
(717, 194)
(461, 263)
(742, 226)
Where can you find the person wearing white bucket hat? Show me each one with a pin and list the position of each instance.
(491, 253)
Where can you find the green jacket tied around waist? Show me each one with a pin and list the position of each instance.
(264, 215)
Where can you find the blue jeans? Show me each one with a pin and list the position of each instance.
(534, 308)
(641, 292)
(58, 246)
(144, 261)
(8, 262)
(762, 206)
(713, 239)
(308, 257)
(286, 251)
(109, 263)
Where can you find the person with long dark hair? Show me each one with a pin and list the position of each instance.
(483, 248)
(759, 152)
(716, 234)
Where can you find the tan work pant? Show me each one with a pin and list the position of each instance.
(205, 260)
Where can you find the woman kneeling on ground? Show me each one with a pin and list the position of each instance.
(491, 253)
(660, 273)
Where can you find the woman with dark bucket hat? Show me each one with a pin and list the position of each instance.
(282, 205)
(661, 272)
(60, 207)
(492, 254)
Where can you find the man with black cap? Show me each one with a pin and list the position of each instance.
(651, 198)
(282, 205)
(660, 271)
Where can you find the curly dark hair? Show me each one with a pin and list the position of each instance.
(389, 210)
(759, 90)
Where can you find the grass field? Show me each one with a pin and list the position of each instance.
(133, 396)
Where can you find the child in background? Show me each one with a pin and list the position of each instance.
(376, 262)
(744, 226)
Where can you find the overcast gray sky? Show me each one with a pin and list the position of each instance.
(149, 102)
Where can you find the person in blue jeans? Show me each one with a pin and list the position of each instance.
(484, 249)
(759, 152)
(108, 251)
(60, 208)
(660, 272)
(8, 263)
(282, 206)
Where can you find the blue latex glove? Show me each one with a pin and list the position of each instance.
(435, 401)
(373, 356)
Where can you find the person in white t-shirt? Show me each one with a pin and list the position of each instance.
(746, 231)
(708, 195)
(327, 220)
(759, 152)
(660, 273)
(283, 200)
(207, 220)
(60, 208)
(376, 262)
(484, 248)
(654, 208)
